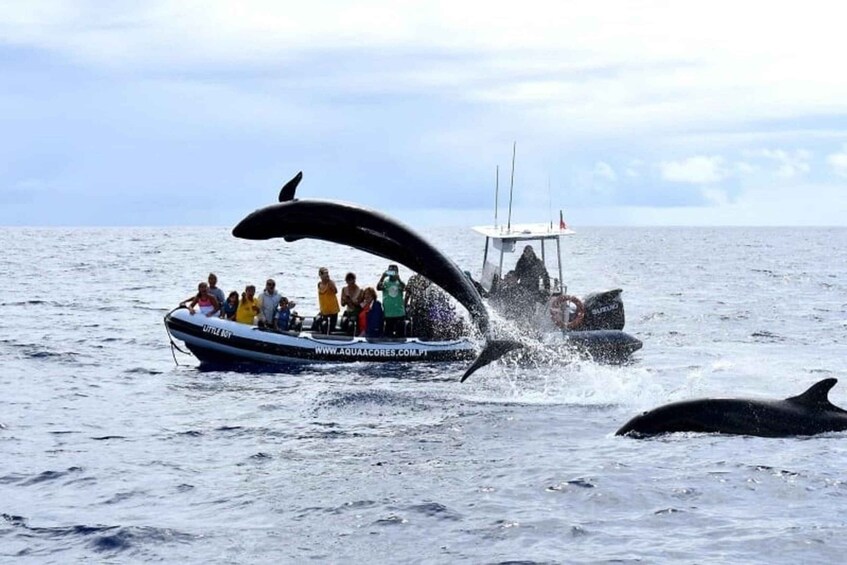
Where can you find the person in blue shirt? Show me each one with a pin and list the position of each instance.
(230, 307)
(283, 317)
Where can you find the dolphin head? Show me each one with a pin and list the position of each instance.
(648, 423)
(685, 416)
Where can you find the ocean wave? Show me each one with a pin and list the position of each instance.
(767, 337)
(142, 371)
(102, 538)
(434, 510)
(359, 398)
(24, 480)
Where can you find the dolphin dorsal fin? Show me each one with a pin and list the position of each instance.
(287, 191)
(816, 395)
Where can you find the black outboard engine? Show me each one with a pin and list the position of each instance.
(603, 311)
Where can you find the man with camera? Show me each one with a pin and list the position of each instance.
(392, 288)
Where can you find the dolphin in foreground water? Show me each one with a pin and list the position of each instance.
(378, 234)
(807, 414)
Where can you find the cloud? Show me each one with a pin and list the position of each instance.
(762, 205)
(790, 164)
(604, 171)
(585, 65)
(716, 197)
(744, 168)
(215, 97)
(838, 161)
(695, 170)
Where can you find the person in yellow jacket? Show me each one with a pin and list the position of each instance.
(328, 299)
(248, 308)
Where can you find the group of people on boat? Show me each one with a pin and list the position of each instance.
(270, 309)
(418, 309)
(363, 314)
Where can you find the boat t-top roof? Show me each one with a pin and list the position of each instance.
(506, 236)
(524, 232)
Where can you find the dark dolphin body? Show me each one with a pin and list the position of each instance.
(805, 415)
(375, 233)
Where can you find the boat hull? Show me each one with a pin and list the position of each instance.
(216, 342)
(213, 340)
(604, 346)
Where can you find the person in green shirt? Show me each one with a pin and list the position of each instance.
(392, 287)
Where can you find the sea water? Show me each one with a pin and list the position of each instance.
(111, 452)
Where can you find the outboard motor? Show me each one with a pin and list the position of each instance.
(603, 311)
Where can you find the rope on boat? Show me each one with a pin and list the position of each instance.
(174, 346)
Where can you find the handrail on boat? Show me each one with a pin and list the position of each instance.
(171, 337)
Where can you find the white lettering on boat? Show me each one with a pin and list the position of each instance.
(220, 332)
(405, 352)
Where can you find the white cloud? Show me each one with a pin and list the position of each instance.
(763, 205)
(604, 171)
(581, 67)
(716, 196)
(790, 164)
(452, 84)
(695, 170)
(744, 168)
(838, 161)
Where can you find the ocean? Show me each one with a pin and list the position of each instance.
(111, 452)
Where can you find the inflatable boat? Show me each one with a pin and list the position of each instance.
(215, 341)
(218, 341)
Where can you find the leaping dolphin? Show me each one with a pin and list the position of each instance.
(807, 414)
(373, 232)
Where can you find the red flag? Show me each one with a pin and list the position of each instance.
(562, 224)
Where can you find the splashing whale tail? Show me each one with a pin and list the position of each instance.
(492, 351)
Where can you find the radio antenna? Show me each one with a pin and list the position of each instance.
(511, 187)
(549, 202)
(496, 193)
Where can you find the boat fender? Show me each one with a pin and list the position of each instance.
(559, 311)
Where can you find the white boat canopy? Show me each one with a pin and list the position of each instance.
(505, 237)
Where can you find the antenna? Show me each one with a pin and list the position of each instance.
(511, 186)
(496, 193)
(549, 202)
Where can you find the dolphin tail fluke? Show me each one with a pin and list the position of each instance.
(492, 351)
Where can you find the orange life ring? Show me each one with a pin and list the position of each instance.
(560, 313)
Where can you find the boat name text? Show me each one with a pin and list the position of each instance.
(220, 332)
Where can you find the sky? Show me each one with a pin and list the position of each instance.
(623, 113)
